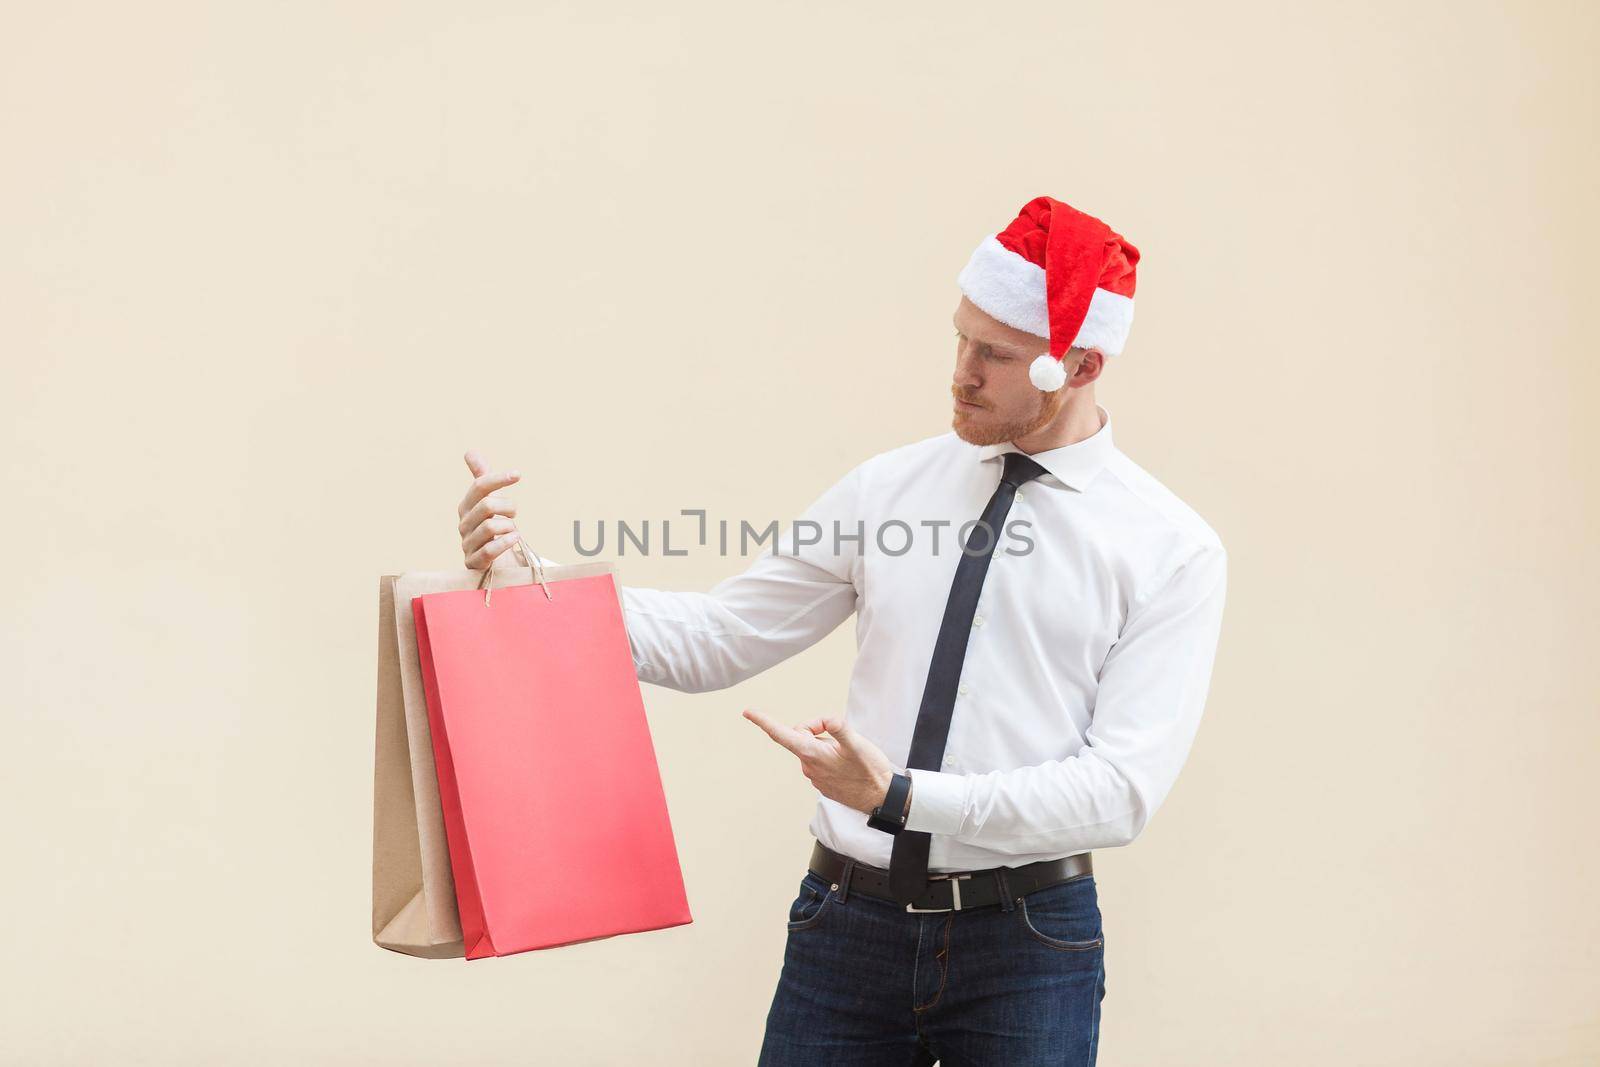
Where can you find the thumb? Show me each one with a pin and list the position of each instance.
(475, 463)
(835, 725)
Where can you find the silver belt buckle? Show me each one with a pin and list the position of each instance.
(955, 891)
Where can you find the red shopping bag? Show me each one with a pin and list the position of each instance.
(554, 814)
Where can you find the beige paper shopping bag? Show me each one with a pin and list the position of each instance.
(413, 896)
(413, 892)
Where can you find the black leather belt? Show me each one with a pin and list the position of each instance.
(954, 891)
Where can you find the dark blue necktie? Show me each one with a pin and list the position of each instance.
(908, 863)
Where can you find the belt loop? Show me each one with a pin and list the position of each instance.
(844, 878)
(1005, 888)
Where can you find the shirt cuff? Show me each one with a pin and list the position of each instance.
(938, 801)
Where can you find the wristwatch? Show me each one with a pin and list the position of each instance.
(890, 816)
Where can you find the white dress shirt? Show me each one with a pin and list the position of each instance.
(1087, 664)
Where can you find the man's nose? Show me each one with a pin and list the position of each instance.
(966, 374)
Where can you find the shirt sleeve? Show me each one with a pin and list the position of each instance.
(1152, 689)
(798, 589)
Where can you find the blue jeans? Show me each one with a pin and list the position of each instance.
(866, 982)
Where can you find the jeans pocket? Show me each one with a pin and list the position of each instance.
(810, 903)
(1064, 916)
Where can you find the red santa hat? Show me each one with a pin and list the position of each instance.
(1057, 273)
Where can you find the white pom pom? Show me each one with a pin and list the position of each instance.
(1047, 373)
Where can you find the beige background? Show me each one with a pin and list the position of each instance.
(266, 274)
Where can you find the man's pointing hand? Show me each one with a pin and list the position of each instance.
(843, 765)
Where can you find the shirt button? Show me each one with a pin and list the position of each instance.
(977, 620)
(962, 689)
(949, 761)
(1019, 495)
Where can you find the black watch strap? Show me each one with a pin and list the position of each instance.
(890, 816)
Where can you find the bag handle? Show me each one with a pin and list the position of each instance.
(486, 583)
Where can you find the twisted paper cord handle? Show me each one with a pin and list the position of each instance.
(486, 583)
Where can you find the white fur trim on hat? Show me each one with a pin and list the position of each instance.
(1047, 373)
(1010, 288)
(1006, 286)
(1107, 324)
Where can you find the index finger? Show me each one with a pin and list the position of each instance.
(788, 738)
(483, 485)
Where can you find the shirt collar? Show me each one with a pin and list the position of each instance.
(1074, 465)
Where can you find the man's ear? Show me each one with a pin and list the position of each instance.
(1082, 362)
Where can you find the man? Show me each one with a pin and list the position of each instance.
(1032, 665)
